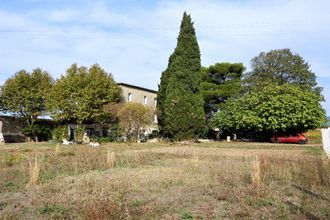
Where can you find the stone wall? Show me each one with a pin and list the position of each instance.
(11, 129)
(139, 95)
(326, 140)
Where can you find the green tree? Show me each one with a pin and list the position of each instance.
(24, 94)
(80, 95)
(134, 118)
(281, 67)
(180, 102)
(282, 109)
(220, 82)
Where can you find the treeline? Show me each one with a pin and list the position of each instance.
(278, 96)
(81, 96)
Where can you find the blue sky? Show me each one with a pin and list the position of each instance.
(133, 39)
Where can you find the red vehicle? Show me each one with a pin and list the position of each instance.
(295, 138)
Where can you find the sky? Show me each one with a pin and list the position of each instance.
(133, 39)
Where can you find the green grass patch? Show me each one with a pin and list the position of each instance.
(54, 210)
(185, 214)
(137, 202)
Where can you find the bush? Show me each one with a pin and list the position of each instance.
(114, 134)
(60, 133)
(133, 118)
(37, 132)
(79, 133)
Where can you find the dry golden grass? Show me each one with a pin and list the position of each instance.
(111, 159)
(34, 172)
(215, 180)
(256, 174)
(57, 149)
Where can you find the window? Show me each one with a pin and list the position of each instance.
(145, 100)
(105, 132)
(155, 101)
(90, 132)
(130, 97)
(155, 118)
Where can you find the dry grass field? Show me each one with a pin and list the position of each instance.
(215, 180)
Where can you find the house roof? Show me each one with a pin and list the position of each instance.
(136, 87)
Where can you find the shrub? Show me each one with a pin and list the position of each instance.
(79, 133)
(37, 132)
(114, 133)
(60, 133)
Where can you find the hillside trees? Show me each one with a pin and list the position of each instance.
(24, 94)
(80, 95)
(180, 102)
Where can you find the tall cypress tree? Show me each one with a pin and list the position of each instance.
(180, 102)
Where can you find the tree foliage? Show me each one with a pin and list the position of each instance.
(134, 118)
(281, 67)
(80, 95)
(24, 94)
(274, 109)
(180, 102)
(220, 82)
(37, 132)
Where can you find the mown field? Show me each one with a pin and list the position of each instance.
(215, 180)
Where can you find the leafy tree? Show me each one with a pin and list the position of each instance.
(180, 102)
(24, 94)
(133, 118)
(282, 109)
(220, 82)
(281, 67)
(80, 95)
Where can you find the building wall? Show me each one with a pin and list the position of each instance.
(138, 95)
(11, 129)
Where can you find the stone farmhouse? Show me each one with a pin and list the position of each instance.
(131, 93)
(138, 94)
(141, 95)
(10, 127)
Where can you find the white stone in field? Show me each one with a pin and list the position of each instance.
(154, 140)
(326, 140)
(94, 144)
(66, 142)
(2, 140)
